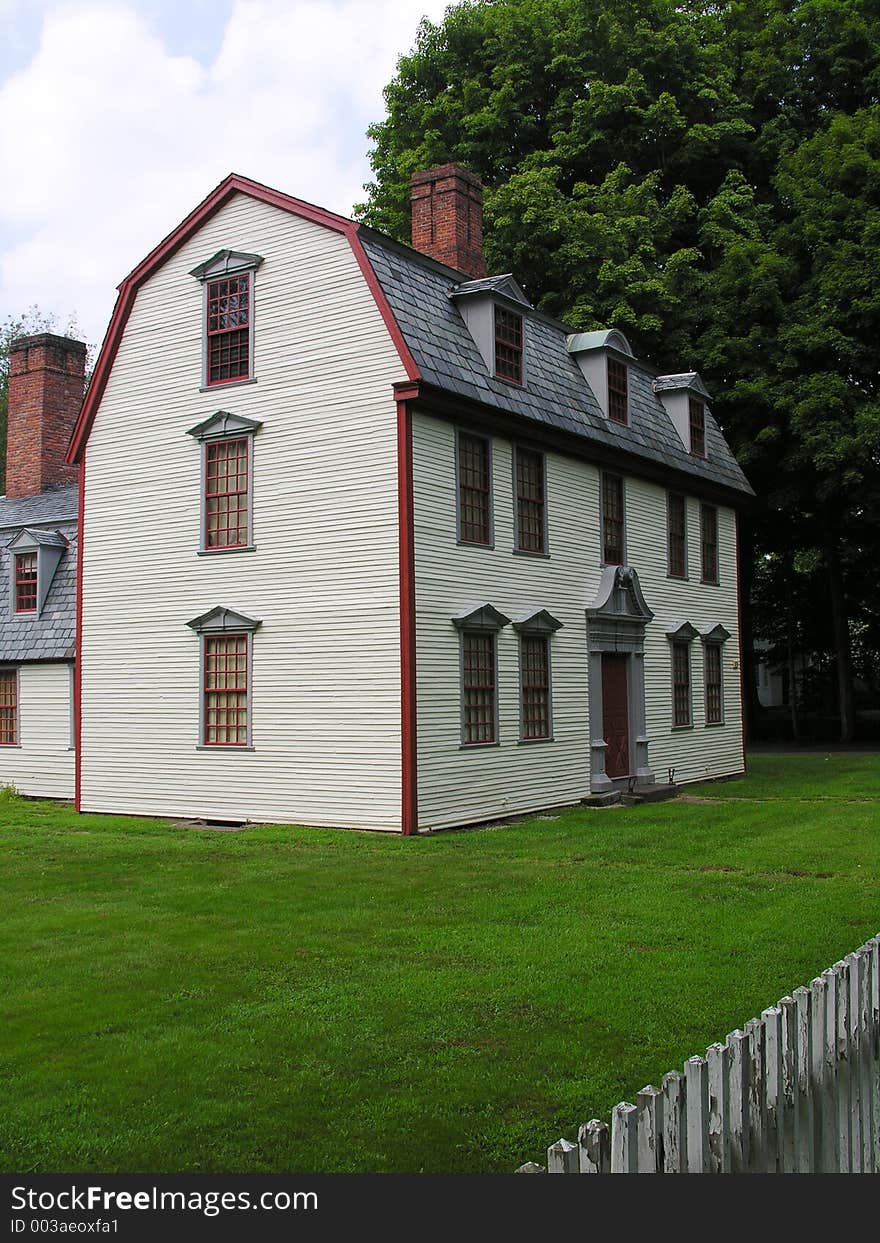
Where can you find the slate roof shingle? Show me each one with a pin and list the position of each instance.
(555, 394)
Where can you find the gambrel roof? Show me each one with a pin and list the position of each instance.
(416, 297)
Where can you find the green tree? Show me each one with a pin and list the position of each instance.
(704, 176)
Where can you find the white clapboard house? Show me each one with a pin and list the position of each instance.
(369, 541)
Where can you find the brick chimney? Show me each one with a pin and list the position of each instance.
(46, 380)
(447, 217)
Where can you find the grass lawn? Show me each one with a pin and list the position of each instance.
(308, 1000)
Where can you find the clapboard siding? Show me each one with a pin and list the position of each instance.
(323, 578)
(465, 785)
(42, 766)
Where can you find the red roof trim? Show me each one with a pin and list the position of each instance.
(233, 184)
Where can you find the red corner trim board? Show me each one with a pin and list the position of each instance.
(231, 185)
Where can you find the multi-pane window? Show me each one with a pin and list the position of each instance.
(508, 345)
(613, 552)
(676, 516)
(709, 543)
(535, 686)
(478, 687)
(681, 684)
(474, 490)
(229, 319)
(713, 676)
(618, 391)
(8, 708)
(226, 493)
(225, 690)
(530, 502)
(698, 427)
(25, 582)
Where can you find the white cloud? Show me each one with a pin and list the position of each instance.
(109, 139)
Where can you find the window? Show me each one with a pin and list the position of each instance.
(228, 278)
(227, 475)
(714, 683)
(229, 318)
(225, 677)
(478, 687)
(613, 549)
(8, 708)
(26, 582)
(709, 543)
(698, 428)
(530, 501)
(226, 493)
(474, 489)
(225, 690)
(618, 394)
(676, 526)
(534, 655)
(508, 345)
(681, 685)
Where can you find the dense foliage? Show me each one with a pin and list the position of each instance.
(707, 177)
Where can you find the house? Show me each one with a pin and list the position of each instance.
(370, 541)
(38, 539)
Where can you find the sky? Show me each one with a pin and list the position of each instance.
(119, 116)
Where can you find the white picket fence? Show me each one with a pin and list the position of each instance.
(796, 1091)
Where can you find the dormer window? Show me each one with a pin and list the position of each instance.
(26, 582)
(618, 392)
(228, 278)
(508, 345)
(34, 556)
(698, 427)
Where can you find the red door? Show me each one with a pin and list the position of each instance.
(615, 714)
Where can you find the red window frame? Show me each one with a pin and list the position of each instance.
(25, 582)
(508, 345)
(225, 690)
(613, 529)
(709, 544)
(479, 690)
(714, 683)
(618, 392)
(8, 707)
(535, 686)
(474, 489)
(681, 685)
(531, 501)
(227, 485)
(676, 522)
(697, 415)
(228, 327)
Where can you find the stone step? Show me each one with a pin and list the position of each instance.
(609, 799)
(650, 794)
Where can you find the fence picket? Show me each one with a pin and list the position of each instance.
(674, 1123)
(772, 1019)
(718, 1058)
(819, 1072)
(624, 1139)
(562, 1158)
(696, 1071)
(832, 1072)
(844, 1095)
(805, 1147)
(738, 1087)
(788, 1006)
(757, 1144)
(649, 1106)
(594, 1145)
(867, 1088)
(874, 953)
(855, 1064)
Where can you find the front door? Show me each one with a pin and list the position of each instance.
(615, 714)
